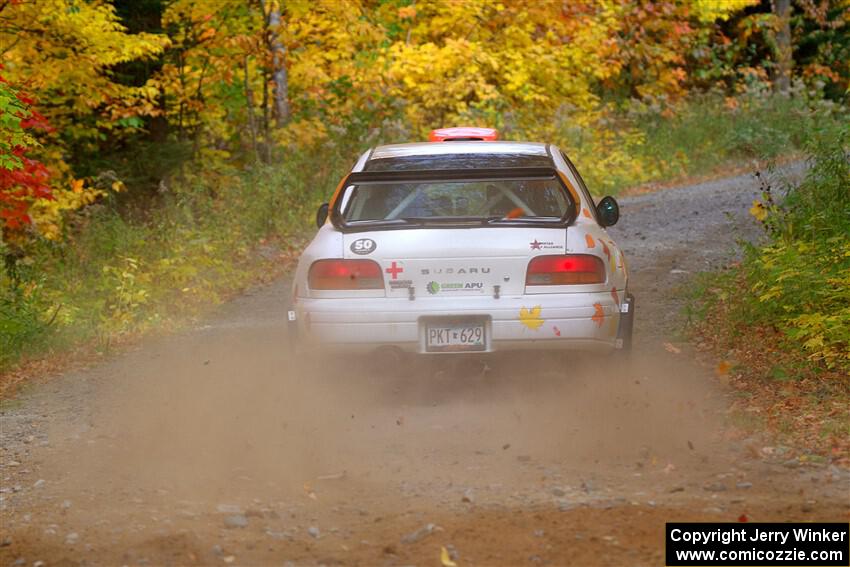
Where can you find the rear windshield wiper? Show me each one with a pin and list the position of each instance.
(446, 220)
(374, 221)
(521, 220)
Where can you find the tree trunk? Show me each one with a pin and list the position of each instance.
(249, 104)
(266, 122)
(784, 55)
(279, 75)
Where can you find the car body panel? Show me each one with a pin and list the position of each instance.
(552, 321)
(460, 261)
(465, 273)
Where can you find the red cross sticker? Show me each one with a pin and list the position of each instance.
(394, 271)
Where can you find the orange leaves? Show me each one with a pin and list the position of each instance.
(606, 250)
(722, 368)
(407, 12)
(208, 33)
(598, 314)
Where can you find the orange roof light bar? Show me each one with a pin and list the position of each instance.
(463, 134)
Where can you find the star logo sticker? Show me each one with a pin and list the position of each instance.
(535, 245)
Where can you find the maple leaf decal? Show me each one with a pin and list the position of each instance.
(599, 314)
(531, 317)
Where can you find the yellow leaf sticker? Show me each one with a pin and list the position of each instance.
(531, 317)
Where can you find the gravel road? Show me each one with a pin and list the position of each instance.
(214, 447)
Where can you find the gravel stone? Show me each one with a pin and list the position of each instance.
(419, 534)
(236, 521)
(229, 509)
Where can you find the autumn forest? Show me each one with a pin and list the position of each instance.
(156, 155)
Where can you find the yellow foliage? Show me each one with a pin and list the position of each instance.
(758, 210)
(711, 10)
(47, 215)
(522, 55)
(62, 50)
(302, 133)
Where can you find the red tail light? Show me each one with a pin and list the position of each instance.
(345, 274)
(565, 270)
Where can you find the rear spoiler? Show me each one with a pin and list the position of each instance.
(495, 174)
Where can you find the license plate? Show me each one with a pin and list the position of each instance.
(454, 338)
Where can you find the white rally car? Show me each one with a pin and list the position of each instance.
(463, 244)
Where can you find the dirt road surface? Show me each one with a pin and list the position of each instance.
(214, 447)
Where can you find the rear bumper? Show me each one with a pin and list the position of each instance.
(584, 321)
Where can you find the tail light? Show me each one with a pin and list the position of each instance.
(345, 274)
(565, 270)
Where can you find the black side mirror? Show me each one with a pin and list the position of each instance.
(322, 215)
(608, 211)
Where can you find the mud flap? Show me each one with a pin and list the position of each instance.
(627, 321)
(291, 330)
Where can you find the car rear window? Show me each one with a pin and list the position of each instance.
(491, 201)
(457, 161)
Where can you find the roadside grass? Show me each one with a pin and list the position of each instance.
(705, 135)
(114, 276)
(125, 267)
(780, 319)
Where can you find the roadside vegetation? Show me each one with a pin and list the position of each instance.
(781, 317)
(185, 159)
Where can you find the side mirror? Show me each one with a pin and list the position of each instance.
(608, 211)
(321, 215)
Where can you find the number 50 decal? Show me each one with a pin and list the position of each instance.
(363, 246)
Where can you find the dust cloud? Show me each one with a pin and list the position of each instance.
(227, 416)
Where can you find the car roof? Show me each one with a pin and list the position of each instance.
(458, 147)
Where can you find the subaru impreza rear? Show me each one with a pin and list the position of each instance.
(463, 245)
